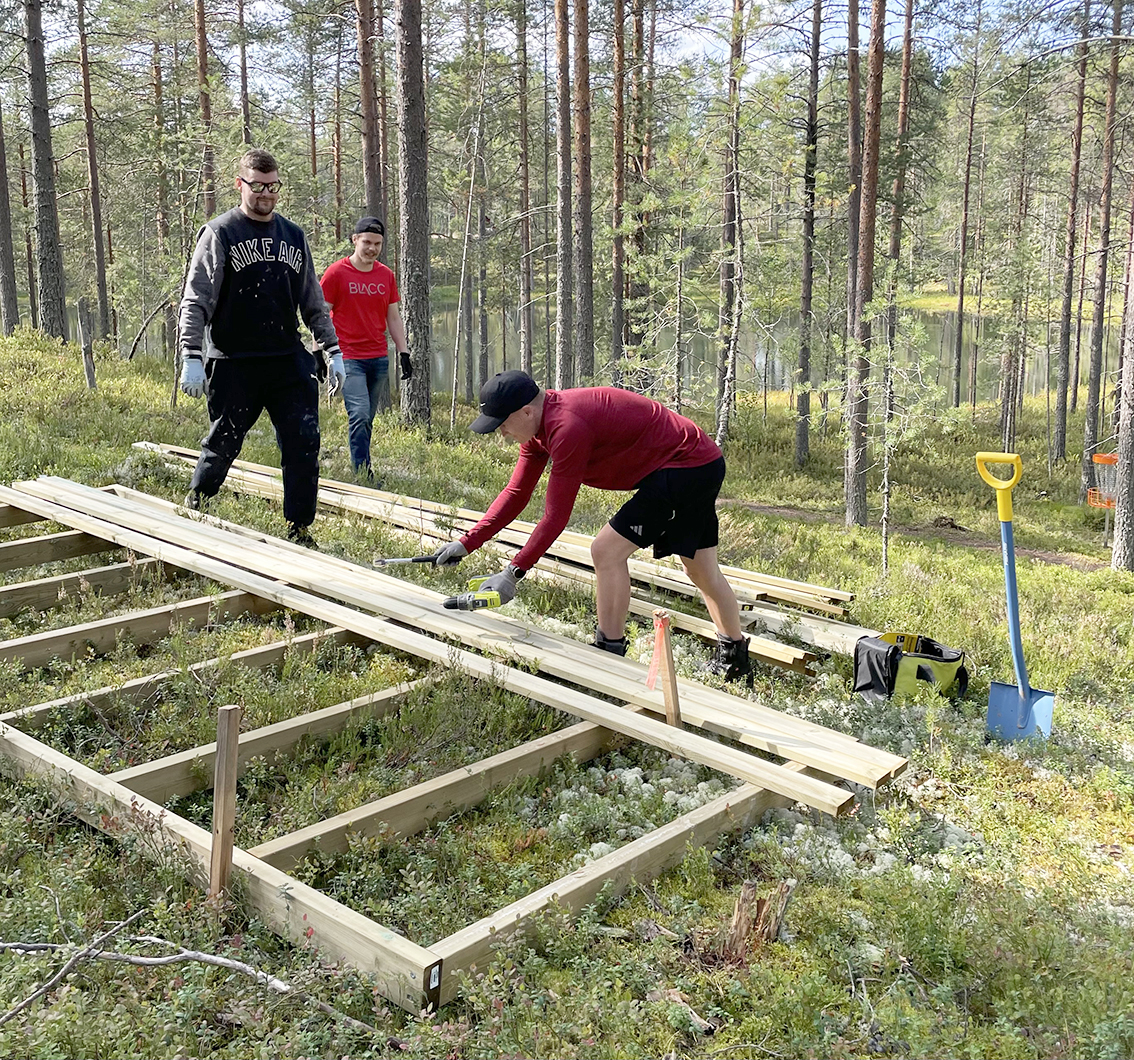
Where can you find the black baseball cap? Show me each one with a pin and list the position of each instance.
(370, 224)
(503, 394)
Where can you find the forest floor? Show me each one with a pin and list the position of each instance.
(981, 905)
(942, 528)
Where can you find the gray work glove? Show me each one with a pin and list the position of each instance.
(449, 555)
(192, 373)
(503, 583)
(336, 372)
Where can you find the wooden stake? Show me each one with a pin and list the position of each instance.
(663, 664)
(224, 799)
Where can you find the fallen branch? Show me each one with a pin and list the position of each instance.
(181, 955)
(77, 958)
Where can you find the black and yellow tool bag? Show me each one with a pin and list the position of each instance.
(895, 662)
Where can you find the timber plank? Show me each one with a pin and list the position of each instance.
(13, 516)
(32, 551)
(143, 627)
(140, 689)
(189, 771)
(408, 974)
(46, 593)
(763, 728)
(822, 796)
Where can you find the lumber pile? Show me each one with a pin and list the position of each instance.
(810, 612)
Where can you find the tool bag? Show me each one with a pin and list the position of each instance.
(895, 662)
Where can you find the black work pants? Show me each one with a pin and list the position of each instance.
(237, 390)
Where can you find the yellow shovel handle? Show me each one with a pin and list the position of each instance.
(1003, 486)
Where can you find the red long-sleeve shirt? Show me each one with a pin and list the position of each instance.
(598, 436)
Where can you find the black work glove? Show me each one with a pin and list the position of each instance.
(407, 368)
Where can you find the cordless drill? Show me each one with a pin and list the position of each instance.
(473, 600)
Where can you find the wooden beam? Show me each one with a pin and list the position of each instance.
(143, 627)
(43, 594)
(141, 689)
(408, 974)
(822, 796)
(12, 516)
(410, 811)
(750, 723)
(639, 860)
(32, 551)
(224, 800)
(187, 771)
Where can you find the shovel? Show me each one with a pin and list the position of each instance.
(1015, 712)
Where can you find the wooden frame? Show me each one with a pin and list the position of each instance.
(283, 575)
(43, 594)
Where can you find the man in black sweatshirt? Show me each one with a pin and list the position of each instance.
(240, 346)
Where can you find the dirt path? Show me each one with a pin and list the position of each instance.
(943, 528)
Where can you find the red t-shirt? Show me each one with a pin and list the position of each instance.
(360, 302)
(595, 436)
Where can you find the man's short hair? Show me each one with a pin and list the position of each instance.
(257, 160)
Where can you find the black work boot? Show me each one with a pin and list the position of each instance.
(300, 535)
(615, 647)
(196, 501)
(731, 661)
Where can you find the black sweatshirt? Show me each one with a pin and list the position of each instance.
(246, 281)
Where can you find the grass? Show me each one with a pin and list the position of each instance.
(979, 906)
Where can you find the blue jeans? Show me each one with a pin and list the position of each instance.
(366, 392)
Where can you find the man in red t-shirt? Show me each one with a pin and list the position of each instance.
(616, 440)
(363, 296)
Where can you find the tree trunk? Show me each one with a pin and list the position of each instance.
(33, 299)
(1074, 384)
(810, 161)
(637, 287)
(9, 298)
(245, 102)
(854, 161)
(482, 280)
(368, 107)
(730, 214)
(527, 319)
(1122, 558)
(208, 173)
(337, 146)
(894, 254)
(1098, 321)
(413, 212)
(618, 195)
(1063, 355)
(584, 320)
(963, 251)
(1015, 351)
(564, 369)
(169, 314)
(49, 252)
(383, 111)
(102, 325)
(855, 485)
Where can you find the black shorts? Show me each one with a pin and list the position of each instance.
(674, 509)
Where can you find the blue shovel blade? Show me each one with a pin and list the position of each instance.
(1012, 716)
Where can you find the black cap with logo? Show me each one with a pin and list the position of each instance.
(503, 394)
(370, 224)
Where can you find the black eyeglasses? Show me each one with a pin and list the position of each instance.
(257, 187)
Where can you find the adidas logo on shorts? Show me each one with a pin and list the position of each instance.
(637, 530)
